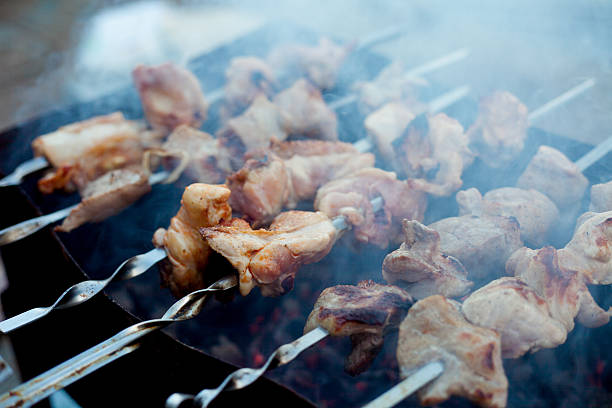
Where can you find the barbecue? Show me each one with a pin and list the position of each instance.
(375, 219)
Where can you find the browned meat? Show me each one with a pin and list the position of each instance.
(601, 197)
(255, 128)
(553, 174)
(482, 244)
(83, 151)
(365, 312)
(422, 267)
(564, 290)
(106, 196)
(590, 250)
(170, 96)
(498, 134)
(245, 79)
(271, 258)
(207, 161)
(515, 311)
(387, 124)
(285, 173)
(202, 205)
(534, 211)
(304, 112)
(434, 151)
(319, 63)
(390, 85)
(351, 197)
(435, 329)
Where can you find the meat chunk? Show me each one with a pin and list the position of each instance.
(271, 258)
(83, 151)
(365, 312)
(434, 151)
(390, 85)
(481, 244)
(553, 174)
(202, 205)
(590, 250)
(499, 132)
(106, 196)
(564, 290)
(419, 264)
(170, 96)
(304, 112)
(515, 311)
(255, 128)
(245, 79)
(435, 329)
(285, 173)
(535, 212)
(319, 63)
(207, 161)
(351, 196)
(387, 124)
(601, 197)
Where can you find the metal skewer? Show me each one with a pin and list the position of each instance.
(28, 227)
(25, 168)
(561, 99)
(117, 346)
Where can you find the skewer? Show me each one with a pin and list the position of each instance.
(561, 99)
(25, 168)
(117, 346)
(28, 227)
(594, 155)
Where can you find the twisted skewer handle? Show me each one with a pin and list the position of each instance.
(27, 228)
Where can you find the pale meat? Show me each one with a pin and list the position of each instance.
(285, 173)
(514, 310)
(365, 312)
(481, 244)
(255, 128)
(206, 160)
(390, 85)
(271, 258)
(434, 151)
(422, 268)
(170, 96)
(246, 79)
(388, 123)
(304, 112)
(553, 174)
(601, 197)
(83, 151)
(590, 249)
(106, 196)
(499, 132)
(202, 205)
(350, 196)
(535, 212)
(564, 290)
(319, 63)
(435, 329)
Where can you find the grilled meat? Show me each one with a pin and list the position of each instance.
(481, 244)
(351, 197)
(365, 312)
(499, 132)
(601, 197)
(287, 172)
(534, 211)
(271, 258)
(304, 112)
(422, 267)
(170, 96)
(518, 313)
(435, 329)
(202, 205)
(553, 174)
(83, 151)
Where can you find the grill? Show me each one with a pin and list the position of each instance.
(43, 265)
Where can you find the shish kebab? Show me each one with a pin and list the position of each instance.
(181, 139)
(138, 264)
(318, 75)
